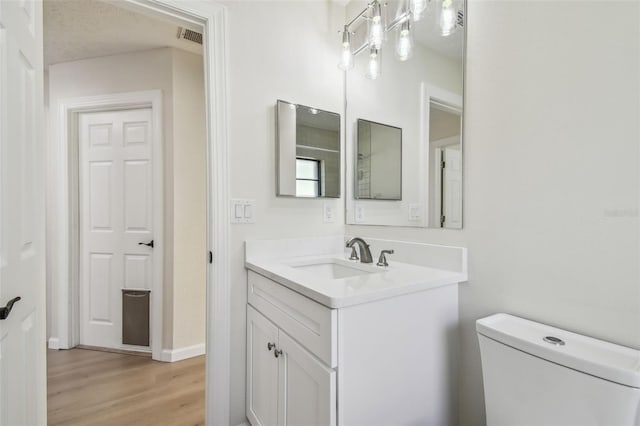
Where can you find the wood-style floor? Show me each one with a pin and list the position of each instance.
(87, 387)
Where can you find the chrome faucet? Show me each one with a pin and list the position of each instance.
(365, 253)
(382, 260)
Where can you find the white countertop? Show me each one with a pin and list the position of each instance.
(396, 279)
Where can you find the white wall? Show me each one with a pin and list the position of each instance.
(551, 179)
(277, 50)
(176, 74)
(189, 200)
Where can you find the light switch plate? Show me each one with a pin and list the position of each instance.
(415, 212)
(328, 212)
(359, 213)
(243, 211)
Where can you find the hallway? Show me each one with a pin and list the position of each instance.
(104, 388)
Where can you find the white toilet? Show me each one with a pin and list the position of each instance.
(542, 376)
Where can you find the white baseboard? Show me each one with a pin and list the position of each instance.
(54, 343)
(173, 355)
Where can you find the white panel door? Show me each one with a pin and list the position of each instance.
(262, 370)
(452, 188)
(116, 218)
(22, 332)
(307, 388)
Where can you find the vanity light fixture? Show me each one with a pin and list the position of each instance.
(404, 42)
(446, 17)
(375, 27)
(373, 69)
(346, 57)
(418, 8)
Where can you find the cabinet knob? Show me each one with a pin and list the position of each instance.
(271, 345)
(277, 353)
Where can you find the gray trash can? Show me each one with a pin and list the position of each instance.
(135, 317)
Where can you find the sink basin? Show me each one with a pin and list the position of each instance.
(332, 270)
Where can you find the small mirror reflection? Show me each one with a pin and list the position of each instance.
(379, 161)
(308, 151)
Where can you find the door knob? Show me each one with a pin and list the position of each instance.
(149, 244)
(4, 312)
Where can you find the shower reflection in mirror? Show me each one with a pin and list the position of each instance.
(379, 161)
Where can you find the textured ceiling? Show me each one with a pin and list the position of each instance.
(80, 29)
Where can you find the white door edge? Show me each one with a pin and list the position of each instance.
(437, 188)
(212, 17)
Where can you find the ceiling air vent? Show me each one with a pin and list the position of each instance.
(187, 34)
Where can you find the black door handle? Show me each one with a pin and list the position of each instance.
(4, 312)
(149, 244)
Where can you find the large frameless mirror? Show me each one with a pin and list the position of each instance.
(404, 67)
(307, 152)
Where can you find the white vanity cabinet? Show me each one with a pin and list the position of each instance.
(386, 362)
(286, 383)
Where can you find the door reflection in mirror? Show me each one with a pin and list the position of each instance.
(445, 168)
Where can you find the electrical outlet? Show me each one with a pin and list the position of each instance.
(328, 212)
(414, 212)
(359, 213)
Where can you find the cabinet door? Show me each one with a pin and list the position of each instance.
(262, 370)
(306, 387)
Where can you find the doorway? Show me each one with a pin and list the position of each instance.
(66, 326)
(445, 126)
(443, 122)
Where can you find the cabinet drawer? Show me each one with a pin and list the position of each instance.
(314, 326)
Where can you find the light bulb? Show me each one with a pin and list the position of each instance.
(375, 35)
(346, 55)
(376, 11)
(373, 69)
(448, 15)
(404, 41)
(417, 8)
(376, 32)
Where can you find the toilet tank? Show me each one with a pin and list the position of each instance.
(539, 375)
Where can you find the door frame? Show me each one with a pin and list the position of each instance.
(437, 187)
(69, 113)
(211, 16)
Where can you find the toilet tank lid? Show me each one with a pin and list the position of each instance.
(608, 361)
